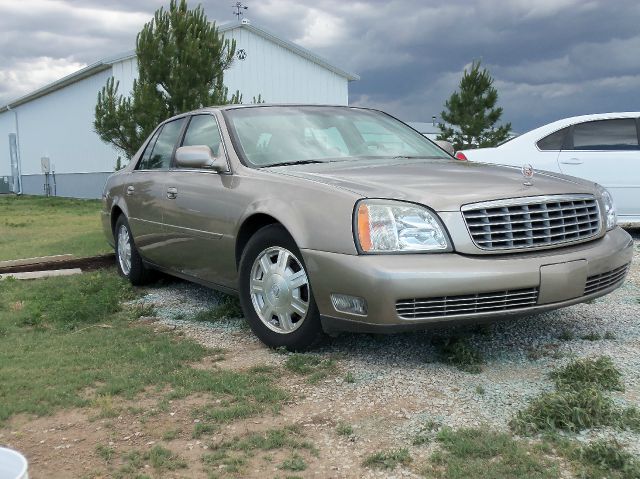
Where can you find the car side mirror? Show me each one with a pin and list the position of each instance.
(446, 146)
(198, 156)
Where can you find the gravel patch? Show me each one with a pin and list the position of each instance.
(401, 382)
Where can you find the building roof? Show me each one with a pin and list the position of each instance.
(106, 63)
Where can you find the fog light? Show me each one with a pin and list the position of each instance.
(349, 304)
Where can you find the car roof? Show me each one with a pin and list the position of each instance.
(544, 130)
(209, 109)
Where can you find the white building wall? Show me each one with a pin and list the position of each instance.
(280, 75)
(60, 125)
(125, 72)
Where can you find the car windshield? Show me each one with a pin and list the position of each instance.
(275, 135)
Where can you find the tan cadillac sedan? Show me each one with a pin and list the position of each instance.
(326, 218)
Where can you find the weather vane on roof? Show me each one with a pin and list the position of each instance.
(238, 7)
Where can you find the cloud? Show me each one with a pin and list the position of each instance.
(549, 58)
(27, 75)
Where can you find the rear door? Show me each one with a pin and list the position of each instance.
(607, 152)
(145, 192)
(200, 211)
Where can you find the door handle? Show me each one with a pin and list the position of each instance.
(131, 190)
(172, 193)
(571, 161)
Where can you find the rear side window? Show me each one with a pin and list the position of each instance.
(144, 161)
(203, 130)
(162, 152)
(620, 134)
(554, 141)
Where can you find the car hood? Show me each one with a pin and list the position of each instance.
(443, 185)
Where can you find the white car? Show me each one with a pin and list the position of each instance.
(604, 148)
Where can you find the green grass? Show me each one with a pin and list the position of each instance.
(566, 335)
(600, 373)
(482, 453)
(580, 401)
(66, 343)
(608, 459)
(228, 308)
(344, 429)
(39, 226)
(388, 459)
(231, 455)
(314, 367)
(294, 463)
(459, 353)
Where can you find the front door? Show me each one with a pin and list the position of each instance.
(607, 152)
(199, 213)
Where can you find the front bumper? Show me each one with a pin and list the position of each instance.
(559, 277)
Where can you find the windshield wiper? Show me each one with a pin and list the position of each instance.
(289, 163)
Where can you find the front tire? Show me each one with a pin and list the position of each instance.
(128, 259)
(275, 292)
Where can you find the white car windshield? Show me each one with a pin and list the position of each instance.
(274, 135)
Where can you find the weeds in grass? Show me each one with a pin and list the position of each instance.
(609, 456)
(162, 459)
(591, 336)
(143, 310)
(388, 459)
(233, 454)
(481, 452)
(344, 429)
(600, 373)
(609, 335)
(349, 378)
(314, 367)
(426, 433)
(170, 434)
(458, 352)
(294, 463)
(566, 335)
(480, 390)
(227, 308)
(105, 452)
(579, 402)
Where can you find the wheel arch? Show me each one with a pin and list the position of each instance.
(250, 226)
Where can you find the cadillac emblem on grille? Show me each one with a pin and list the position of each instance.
(527, 172)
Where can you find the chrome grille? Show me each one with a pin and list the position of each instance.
(532, 222)
(426, 308)
(602, 281)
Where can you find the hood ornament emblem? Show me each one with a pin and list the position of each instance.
(527, 172)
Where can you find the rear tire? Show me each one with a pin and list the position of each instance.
(275, 292)
(128, 260)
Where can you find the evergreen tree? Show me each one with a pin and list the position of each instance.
(471, 114)
(181, 60)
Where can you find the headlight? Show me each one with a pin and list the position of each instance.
(609, 208)
(387, 226)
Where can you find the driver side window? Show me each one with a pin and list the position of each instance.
(203, 130)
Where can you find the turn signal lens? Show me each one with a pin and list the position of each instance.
(364, 228)
(460, 156)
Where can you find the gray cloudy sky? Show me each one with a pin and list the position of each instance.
(550, 58)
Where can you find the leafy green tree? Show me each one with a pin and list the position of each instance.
(471, 114)
(181, 60)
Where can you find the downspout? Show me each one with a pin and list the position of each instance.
(18, 155)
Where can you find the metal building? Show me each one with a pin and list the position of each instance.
(53, 126)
